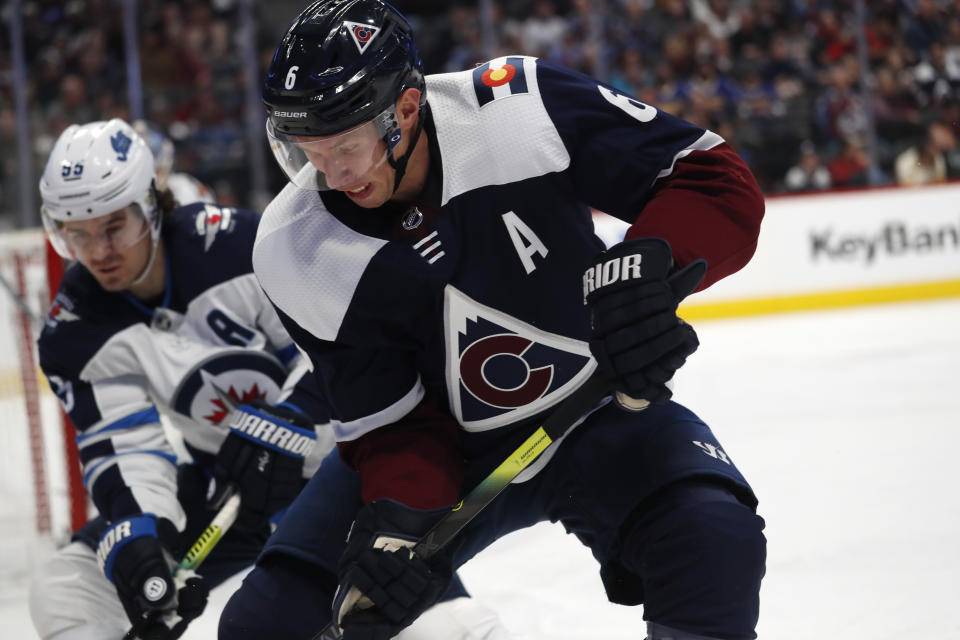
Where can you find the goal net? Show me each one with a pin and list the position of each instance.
(41, 499)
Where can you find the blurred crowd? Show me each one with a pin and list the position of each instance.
(786, 82)
(810, 101)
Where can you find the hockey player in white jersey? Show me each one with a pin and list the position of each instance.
(186, 189)
(161, 314)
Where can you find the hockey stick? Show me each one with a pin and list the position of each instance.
(197, 553)
(558, 423)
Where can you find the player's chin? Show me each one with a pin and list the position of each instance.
(114, 282)
(366, 195)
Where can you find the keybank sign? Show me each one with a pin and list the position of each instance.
(894, 239)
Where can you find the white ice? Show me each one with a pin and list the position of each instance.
(846, 422)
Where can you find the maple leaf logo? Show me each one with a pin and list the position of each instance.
(220, 412)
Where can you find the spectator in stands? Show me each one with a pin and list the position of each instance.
(936, 82)
(718, 16)
(925, 27)
(851, 167)
(925, 163)
(191, 80)
(809, 174)
(542, 29)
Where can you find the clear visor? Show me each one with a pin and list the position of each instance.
(97, 237)
(332, 162)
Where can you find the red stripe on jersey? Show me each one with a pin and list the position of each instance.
(710, 207)
(417, 461)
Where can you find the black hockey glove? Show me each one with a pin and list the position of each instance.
(263, 455)
(383, 586)
(134, 560)
(638, 340)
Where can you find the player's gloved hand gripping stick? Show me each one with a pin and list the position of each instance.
(263, 455)
(558, 423)
(639, 343)
(184, 576)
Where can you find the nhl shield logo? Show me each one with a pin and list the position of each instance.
(500, 370)
(362, 34)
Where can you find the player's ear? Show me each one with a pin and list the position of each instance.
(408, 107)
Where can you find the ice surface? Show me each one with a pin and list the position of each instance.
(847, 423)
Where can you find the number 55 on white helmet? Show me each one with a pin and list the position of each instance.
(94, 170)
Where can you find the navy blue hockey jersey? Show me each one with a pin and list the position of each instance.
(116, 364)
(472, 298)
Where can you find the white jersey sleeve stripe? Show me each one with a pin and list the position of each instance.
(98, 467)
(353, 429)
(704, 143)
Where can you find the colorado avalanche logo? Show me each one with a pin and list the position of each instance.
(244, 375)
(362, 34)
(500, 370)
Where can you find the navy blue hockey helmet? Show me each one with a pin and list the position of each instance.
(340, 63)
(331, 92)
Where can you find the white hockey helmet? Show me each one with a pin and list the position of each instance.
(94, 170)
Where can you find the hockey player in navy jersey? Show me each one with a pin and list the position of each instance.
(161, 314)
(434, 256)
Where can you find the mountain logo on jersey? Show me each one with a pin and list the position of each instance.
(362, 34)
(212, 220)
(498, 79)
(500, 370)
(245, 374)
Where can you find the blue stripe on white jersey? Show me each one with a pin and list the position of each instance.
(141, 417)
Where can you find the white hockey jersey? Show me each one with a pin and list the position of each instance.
(117, 364)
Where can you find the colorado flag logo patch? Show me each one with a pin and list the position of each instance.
(498, 79)
(500, 369)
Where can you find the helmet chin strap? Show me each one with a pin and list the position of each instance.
(400, 164)
(154, 233)
(153, 256)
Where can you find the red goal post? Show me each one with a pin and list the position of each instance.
(40, 473)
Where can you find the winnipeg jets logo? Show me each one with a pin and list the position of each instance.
(242, 373)
(60, 311)
(362, 34)
(219, 408)
(211, 220)
(500, 369)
